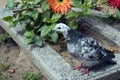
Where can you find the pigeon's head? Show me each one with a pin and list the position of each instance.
(62, 28)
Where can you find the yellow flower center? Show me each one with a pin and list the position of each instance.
(59, 1)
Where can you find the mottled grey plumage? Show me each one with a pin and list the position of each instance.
(85, 49)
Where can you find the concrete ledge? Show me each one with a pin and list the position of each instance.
(52, 65)
(103, 28)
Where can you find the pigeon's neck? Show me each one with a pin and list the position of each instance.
(72, 35)
(66, 33)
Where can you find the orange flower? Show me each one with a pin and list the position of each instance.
(60, 6)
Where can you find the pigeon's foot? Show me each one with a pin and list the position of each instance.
(78, 67)
(86, 71)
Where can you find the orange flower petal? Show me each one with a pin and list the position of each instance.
(60, 6)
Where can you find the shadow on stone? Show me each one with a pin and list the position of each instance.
(102, 66)
(21, 32)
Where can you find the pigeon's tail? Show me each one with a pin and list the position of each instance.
(109, 57)
(110, 54)
(111, 62)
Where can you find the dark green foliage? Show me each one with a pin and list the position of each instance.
(3, 37)
(40, 20)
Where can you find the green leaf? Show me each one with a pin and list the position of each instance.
(86, 7)
(29, 13)
(29, 34)
(46, 29)
(38, 41)
(29, 28)
(73, 24)
(36, 1)
(34, 14)
(44, 5)
(45, 16)
(117, 14)
(10, 5)
(8, 18)
(28, 40)
(55, 17)
(16, 4)
(54, 36)
(71, 14)
(31, 1)
(25, 19)
(11, 24)
(76, 3)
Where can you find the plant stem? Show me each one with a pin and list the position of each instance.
(20, 10)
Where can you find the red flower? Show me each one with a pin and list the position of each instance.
(114, 3)
(60, 6)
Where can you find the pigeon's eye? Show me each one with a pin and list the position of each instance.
(59, 27)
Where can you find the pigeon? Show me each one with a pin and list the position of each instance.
(85, 49)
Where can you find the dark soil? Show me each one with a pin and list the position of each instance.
(14, 60)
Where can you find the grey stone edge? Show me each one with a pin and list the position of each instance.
(103, 28)
(52, 65)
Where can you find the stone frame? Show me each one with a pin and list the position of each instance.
(51, 64)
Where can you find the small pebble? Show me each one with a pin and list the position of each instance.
(11, 70)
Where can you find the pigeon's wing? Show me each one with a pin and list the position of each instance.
(91, 50)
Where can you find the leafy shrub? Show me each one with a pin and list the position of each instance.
(40, 19)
